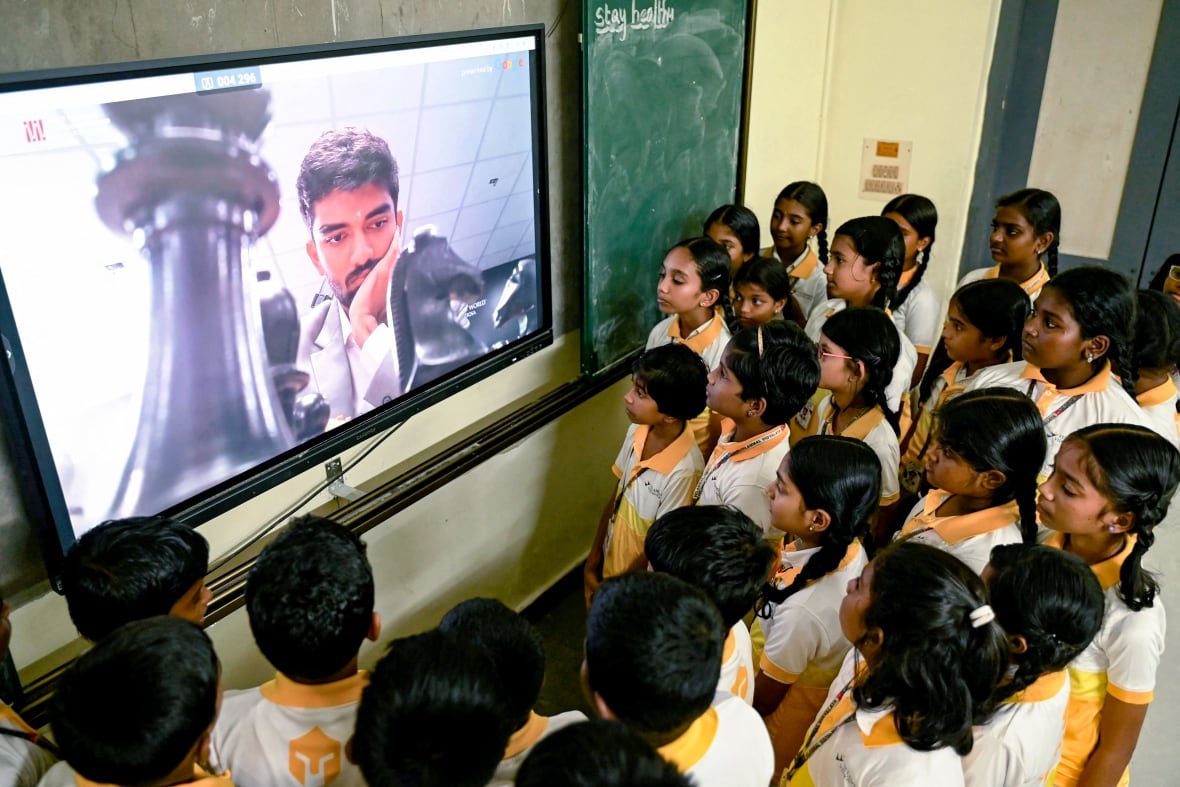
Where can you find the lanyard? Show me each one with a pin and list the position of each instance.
(728, 456)
(811, 745)
(1051, 417)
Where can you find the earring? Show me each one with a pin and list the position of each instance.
(749, 413)
(1111, 528)
(811, 528)
(1089, 357)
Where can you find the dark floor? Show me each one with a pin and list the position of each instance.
(559, 614)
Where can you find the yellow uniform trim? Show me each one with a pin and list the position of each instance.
(687, 750)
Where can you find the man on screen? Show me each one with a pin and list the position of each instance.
(348, 185)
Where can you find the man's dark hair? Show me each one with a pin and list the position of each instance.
(310, 599)
(130, 569)
(130, 710)
(344, 159)
(433, 715)
(715, 548)
(597, 753)
(512, 643)
(653, 650)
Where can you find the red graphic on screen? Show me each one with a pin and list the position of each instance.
(34, 131)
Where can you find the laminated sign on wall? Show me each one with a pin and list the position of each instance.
(884, 169)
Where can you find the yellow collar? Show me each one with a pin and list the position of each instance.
(687, 750)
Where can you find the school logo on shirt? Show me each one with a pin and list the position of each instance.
(314, 759)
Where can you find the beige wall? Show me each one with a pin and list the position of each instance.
(829, 74)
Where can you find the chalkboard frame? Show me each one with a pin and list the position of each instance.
(606, 346)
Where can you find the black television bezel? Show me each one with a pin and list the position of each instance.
(42, 494)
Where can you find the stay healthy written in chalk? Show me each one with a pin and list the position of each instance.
(657, 16)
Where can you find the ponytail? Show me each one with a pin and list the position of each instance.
(1049, 598)
(1137, 471)
(919, 212)
(838, 475)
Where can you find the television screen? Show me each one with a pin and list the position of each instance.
(223, 270)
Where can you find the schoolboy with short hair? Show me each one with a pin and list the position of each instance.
(659, 462)
(653, 653)
(518, 656)
(137, 709)
(24, 755)
(433, 715)
(765, 376)
(721, 551)
(309, 597)
(597, 753)
(135, 568)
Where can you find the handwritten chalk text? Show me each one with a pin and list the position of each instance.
(657, 16)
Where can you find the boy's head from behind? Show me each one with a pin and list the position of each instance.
(597, 753)
(715, 548)
(513, 645)
(433, 715)
(131, 569)
(138, 707)
(310, 600)
(653, 653)
(674, 377)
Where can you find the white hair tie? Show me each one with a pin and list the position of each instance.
(981, 616)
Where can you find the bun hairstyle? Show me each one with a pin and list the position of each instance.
(1137, 471)
(997, 308)
(813, 199)
(935, 665)
(878, 240)
(741, 222)
(838, 475)
(1103, 303)
(998, 429)
(1043, 212)
(869, 336)
(775, 362)
(920, 213)
(1049, 598)
(712, 266)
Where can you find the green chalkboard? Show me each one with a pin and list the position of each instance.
(662, 115)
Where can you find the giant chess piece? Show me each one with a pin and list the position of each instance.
(192, 192)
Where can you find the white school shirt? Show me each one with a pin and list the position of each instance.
(707, 341)
(288, 733)
(1121, 662)
(1020, 745)
(1159, 408)
(919, 317)
(907, 358)
(22, 762)
(1100, 400)
(1031, 286)
(737, 664)
(809, 284)
(871, 428)
(867, 750)
(737, 474)
(969, 537)
(62, 775)
(536, 729)
(727, 746)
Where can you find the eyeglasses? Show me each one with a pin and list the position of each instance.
(824, 354)
(1174, 272)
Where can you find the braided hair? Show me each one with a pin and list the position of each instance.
(869, 336)
(1051, 600)
(1043, 213)
(998, 429)
(1137, 471)
(842, 477)
(815, 202)
(879, 241)
(920, 213)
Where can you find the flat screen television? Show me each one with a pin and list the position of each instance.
(222, 270)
